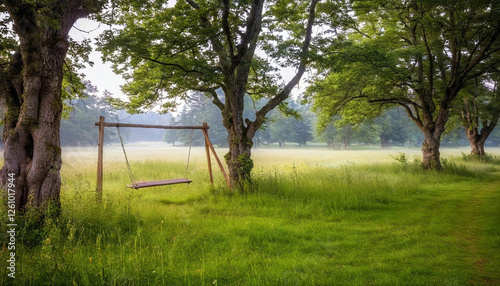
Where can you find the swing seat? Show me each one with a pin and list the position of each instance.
(148, 184)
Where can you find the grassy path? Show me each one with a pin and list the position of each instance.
(477, 231)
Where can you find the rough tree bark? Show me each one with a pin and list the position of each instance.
(476, 140)
(30, 98)
(430, 151)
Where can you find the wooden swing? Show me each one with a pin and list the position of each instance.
(137, 185)
(148, 184)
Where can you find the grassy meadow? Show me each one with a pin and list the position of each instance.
(316, 217)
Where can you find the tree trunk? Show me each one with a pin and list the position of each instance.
(431, 154)
(30, 97)
(239, 160)
(433, 126)
(385, 144)
(481, 148)
(240, 143)
(473, 136)
(477, 138)
(32, 145)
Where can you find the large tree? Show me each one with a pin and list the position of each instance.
(168, 50)
(417, 54)
(480, 111)
(34, 46)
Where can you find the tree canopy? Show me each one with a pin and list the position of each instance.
(415, 54)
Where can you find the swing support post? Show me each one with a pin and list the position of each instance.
(208, 145)
(207, 151)
(100, 152)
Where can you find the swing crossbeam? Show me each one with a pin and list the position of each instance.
(139, 185)
(112, 124)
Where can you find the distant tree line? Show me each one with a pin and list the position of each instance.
(79, 116)
(296, 123)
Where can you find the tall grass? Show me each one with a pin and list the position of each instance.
(350, 222)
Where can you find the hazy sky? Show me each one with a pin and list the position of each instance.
(101, 74)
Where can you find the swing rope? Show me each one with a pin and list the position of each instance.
(137, 185)
(189, 153)
(131, 174)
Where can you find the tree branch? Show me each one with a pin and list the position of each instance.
(489, 67)
(23, 16)
(216, 100)
(218, 47)
(474, 62)
(248, 44)
(173, 65)
(87, 32)
(280, 97)
(395, 100)
(431, 60)
(193, 4)
(360, 32)
(414, 117)
(226, 29)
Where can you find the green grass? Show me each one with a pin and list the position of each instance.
(317, 217)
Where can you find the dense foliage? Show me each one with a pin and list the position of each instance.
(415, 54)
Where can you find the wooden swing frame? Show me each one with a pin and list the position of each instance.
(100, 154)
